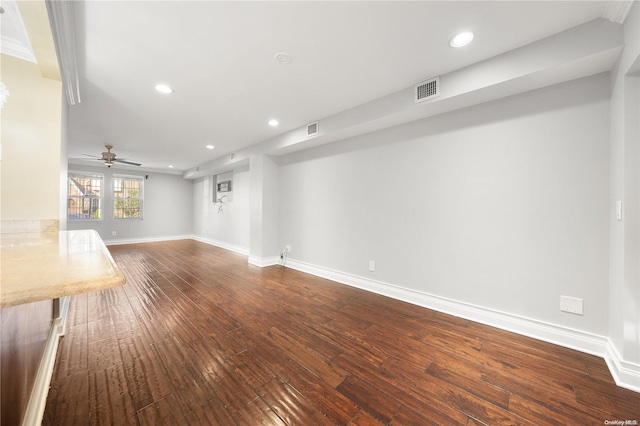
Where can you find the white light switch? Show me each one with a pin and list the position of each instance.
(573, 305)
(619, 209)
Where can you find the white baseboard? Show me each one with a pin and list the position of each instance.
(625, 374)
(38, 399)
(119, 241)
(201, 238)
(264, 261)
(221, 244)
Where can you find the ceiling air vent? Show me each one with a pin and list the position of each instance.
(232, 157)
(312, 129)
(426, 90)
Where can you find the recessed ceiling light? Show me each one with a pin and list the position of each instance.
(210, 147)
(163, 88)
(170, 166)
(461, 39)
(273, 122)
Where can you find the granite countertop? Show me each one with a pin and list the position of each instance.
(50, 265)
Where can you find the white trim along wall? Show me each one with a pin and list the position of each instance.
(488, 204)
(626, 374)
(490, 213)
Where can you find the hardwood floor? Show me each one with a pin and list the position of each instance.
(199, 337)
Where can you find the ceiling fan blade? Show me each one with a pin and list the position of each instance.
(94, 156)
(126, 162)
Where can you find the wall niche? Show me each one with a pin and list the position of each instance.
(222, 188)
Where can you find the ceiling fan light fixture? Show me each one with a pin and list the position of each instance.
(461, 39)
(163, 88)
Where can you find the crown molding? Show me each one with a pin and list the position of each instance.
(15, 48)
(15, 40)
(617, 10)
(62, 21)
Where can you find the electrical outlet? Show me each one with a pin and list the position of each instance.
(372, 265)
(113, 233)
(573, 305)
(287, 249)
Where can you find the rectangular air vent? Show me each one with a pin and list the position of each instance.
(312, 129)
(426, 90)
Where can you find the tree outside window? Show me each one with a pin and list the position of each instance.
(84, 196)
(127, 197)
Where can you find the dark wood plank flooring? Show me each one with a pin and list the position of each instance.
(199, 337)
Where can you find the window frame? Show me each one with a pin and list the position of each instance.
(121, 188)
(92, 198)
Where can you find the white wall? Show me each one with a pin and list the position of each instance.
(624, 242)
(264, 208)
(503, 205)
(168, 204)
(230, 226)
(30, 143)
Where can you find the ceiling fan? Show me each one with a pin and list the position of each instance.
(109, 158)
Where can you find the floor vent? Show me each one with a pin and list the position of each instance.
(312, 129)
(426, 90)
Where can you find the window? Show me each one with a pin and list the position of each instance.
(127, 197)
(84, 196)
